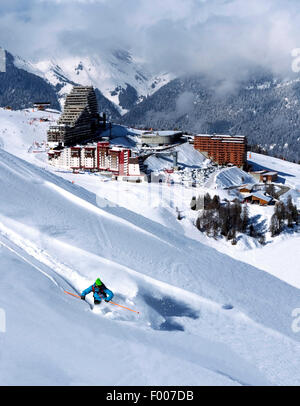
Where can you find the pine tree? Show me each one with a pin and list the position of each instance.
(225, 219)
(275, 226)
(236, 215)
(215, 204)
(252, 232)
(270, 190)
(207, 201)
(291, 212)
(280, 211)
(244, 218)
(216, 225)
(281, 214)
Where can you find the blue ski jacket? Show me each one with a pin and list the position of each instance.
(100, 292)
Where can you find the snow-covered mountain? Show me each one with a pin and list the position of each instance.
(121, 81)
(21, 84)
(117, 74)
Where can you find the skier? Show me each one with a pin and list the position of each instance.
(100, 292)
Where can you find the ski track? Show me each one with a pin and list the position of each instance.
(15, 244)
(71, 277)
(210, 318)
(28, 262)
(88, 206)
(60, 281)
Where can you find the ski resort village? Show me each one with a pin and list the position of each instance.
(171, 255)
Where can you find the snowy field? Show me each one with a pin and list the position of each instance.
(210, 313)
(288, 172)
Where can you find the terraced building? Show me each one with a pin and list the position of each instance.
(79, 121)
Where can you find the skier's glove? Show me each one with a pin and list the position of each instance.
(83, 297)
(106, 300)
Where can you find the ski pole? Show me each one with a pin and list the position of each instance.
(116, 304)
(69, 293)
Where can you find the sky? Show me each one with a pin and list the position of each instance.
(221, 38)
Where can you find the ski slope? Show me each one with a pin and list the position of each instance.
(288, 172)
(20, 128)
(54, 236)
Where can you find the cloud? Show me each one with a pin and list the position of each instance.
(184, 103)
(224, 39)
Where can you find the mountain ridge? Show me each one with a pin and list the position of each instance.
(263, 107)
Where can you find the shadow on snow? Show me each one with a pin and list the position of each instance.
(167, 307)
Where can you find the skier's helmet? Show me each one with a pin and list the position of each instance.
(98, 282)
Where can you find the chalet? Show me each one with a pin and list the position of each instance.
(258, 198)
(269, 177)
(265, 176)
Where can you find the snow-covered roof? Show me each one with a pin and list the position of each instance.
(246, 186)
(261, 171)
(220, 135)
(271, 173)
(233, 141)
(260, 196)
(162, 133)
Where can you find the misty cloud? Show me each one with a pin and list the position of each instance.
(223, 39)
(184, 103)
